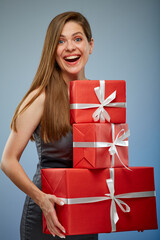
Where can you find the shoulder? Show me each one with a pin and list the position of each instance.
(34, 99)
(31, 109)
(39, 98)
(30, 113)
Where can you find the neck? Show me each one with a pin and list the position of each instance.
(68, 78)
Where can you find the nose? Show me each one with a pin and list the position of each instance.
(70, 45)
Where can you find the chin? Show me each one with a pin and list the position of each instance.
(74, 73)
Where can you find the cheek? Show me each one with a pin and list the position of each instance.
(57, 55)
(86, 49)
(86, 52)
(58, 52)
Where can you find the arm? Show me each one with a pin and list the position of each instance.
(17, 141)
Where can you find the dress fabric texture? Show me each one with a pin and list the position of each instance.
(51, 155)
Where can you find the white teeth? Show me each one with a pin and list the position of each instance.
(71, 57)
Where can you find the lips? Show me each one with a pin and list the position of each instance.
(72, 58)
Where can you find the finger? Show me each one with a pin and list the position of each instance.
(53, 219)
(54, 230)
(58, 201)
(57, 223)
(50, 226)
(53, 224)
(57, 232)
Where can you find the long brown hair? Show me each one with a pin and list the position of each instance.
(55, 121)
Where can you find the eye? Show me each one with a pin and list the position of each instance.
(61, 41)
(78, 39)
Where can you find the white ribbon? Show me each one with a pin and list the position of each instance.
(100, 113)
(118, 141)
(115, 199)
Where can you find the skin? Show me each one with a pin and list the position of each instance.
(71, 44)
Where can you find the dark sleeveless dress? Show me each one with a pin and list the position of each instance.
(51, 155)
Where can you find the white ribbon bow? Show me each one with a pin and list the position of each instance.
(115, 199)
(100, 112)
(119, 141)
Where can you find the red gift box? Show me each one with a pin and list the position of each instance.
(98, 101)
(100, 145)
(95, 199)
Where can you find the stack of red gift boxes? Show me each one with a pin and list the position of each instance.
(101, 192)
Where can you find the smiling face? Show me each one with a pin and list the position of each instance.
(73, 51)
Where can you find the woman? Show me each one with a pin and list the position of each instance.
(43, 115)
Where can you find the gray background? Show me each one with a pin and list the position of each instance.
(127, 37)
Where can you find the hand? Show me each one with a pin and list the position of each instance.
(47, 205)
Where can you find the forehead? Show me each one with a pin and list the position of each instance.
(70, 28)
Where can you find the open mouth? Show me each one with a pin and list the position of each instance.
(72, 58)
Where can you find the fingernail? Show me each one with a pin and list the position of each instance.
(62, 237)
(62, 203)
(53, 235)
(64, 231)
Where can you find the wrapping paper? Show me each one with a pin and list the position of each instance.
(100, 145)
(95, 206)
(98, 101)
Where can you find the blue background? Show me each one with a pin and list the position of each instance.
(127, 46)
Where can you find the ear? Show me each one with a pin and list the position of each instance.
(91, 45)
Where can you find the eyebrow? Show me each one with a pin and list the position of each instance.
(76, 33)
